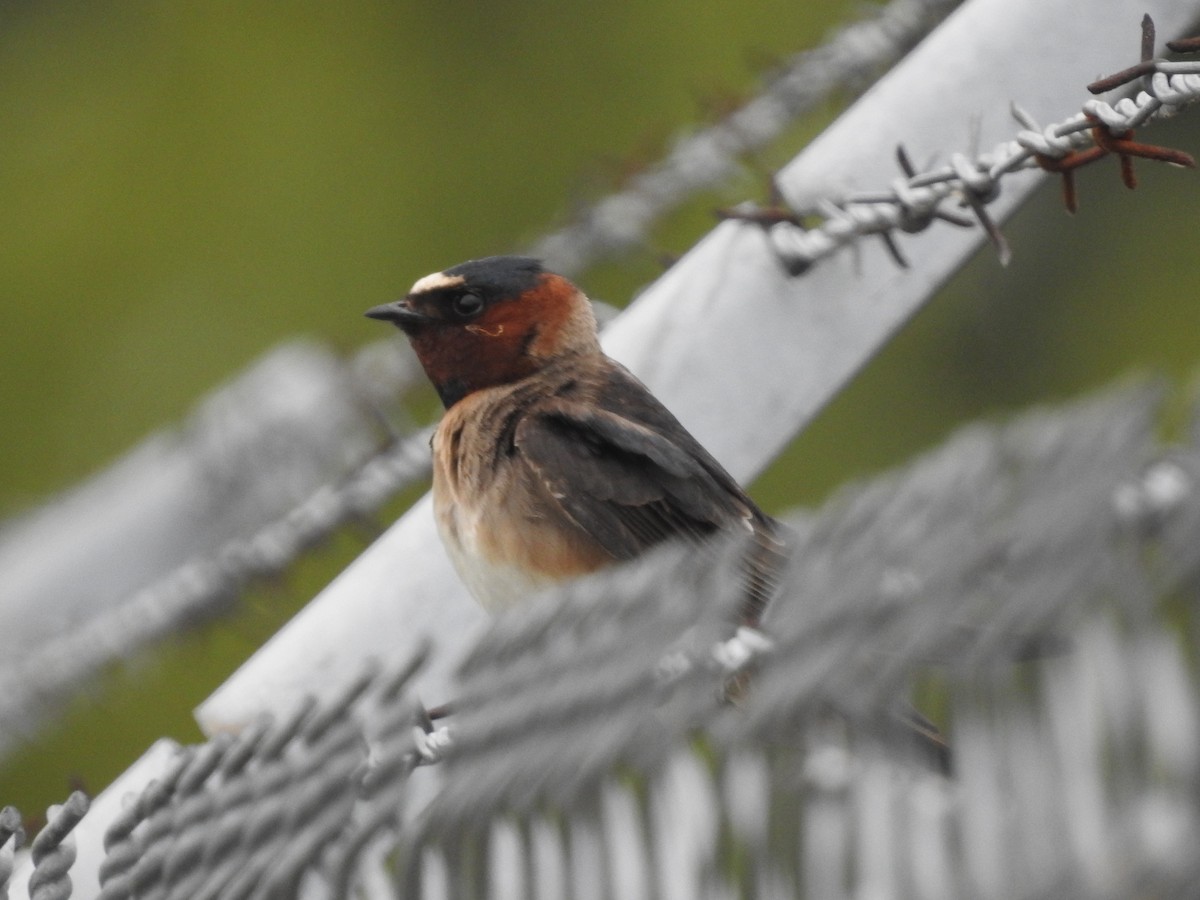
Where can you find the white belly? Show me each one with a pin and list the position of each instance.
(497, 586)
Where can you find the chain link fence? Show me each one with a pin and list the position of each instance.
(624, 739)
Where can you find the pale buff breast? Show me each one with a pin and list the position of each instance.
(503, 532)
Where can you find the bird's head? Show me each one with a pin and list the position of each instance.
(491, 321)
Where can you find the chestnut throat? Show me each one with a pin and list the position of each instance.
(457, 367)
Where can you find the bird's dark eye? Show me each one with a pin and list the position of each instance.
(467, 305)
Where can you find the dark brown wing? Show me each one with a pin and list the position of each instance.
(623, 469)
(625, 485)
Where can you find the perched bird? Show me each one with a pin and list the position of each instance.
(552, 460)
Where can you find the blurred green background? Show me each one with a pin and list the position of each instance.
(186, 185)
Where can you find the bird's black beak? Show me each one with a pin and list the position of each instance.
(399, 313)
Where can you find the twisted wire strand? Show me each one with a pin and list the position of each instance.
(121, 849)
(319, 805)
(914, 202)
(204, 822)
(382, 779)
(249, 806)
(222, 837)
(53, 850)
(258, 814)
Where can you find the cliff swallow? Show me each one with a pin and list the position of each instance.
(552, 460)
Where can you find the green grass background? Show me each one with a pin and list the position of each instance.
(185, 185)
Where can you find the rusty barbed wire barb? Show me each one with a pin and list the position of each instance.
(913, 202)
(1186, 45)
(1149, 65)
(1144, 67)
(1113, 134)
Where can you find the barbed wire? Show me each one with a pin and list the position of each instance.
(53, 850)
(623, 220)
(915, 201)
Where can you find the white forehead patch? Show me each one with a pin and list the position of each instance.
(437, 281)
